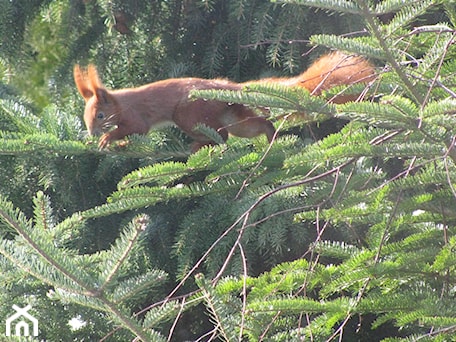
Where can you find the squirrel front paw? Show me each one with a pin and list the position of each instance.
(104, 141)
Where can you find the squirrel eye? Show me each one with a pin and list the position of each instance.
(100, 115)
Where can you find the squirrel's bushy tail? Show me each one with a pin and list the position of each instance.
(335, 69)
(331, 70)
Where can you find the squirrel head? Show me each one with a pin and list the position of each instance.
(100, 112)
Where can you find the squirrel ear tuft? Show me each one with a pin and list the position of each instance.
(93, 79)
(80, 79)
(89, 84)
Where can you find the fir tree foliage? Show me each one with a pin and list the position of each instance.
(348, 237)
(96, 280)
(399, 222)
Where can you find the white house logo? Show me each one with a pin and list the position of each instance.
(21, 320)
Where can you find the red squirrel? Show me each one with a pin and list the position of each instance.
(137, 110)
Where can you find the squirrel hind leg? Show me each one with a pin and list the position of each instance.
(243, 122)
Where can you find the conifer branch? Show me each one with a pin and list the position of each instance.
(217, 310)
(129, 323)
(374, 28)
(140, 224)
(88, 289)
